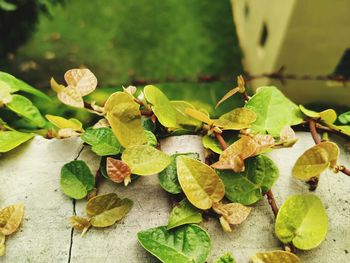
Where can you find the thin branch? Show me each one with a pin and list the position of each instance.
(146, 113)
(221, 140)
(272, 202)
(245, 96)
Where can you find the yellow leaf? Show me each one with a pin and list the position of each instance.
(198, 115)
(124, 116)
(117, 170)
(55, 86)
(80, 223)
(315, 160)
(263, 142)
(67, 133)
(5, 93)
(235, 154)
(83, 79)
(224, 224)
(287, 137)
(277, 256)
(10, 218)
(2, 244)
(201, 185)
(63, 123)
(227, 96)
(237, 119)
(130, 89)
(234, 213)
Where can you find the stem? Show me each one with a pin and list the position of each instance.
(146, 113)
(245, 96)
(272, 202)
(221, 140)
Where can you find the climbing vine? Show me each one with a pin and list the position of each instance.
(236, 174)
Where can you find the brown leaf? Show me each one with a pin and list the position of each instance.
(234, 213)
(118, 171)
(80, 223)
(233, 157)
(71, 96)
(263, 142)
(102, 123)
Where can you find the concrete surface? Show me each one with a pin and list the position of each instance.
(31, 174)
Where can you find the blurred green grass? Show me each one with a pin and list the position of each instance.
(126, 41)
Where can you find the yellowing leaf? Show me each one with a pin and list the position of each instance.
(2, 244)
(315, 160)
(145, 160)
(328, 115)
(10, 218)
(71, 96)
(105, 210)
(234, 213)
(11, 139)
(287, 137)
(130, 89)
(55, 86)
(224, 224)
(277, 256)
(237, 119)
(124, 116)
(118, 171)
(67, 133)
(161, 106)
(5, 93)
(83, 79)
(263, 142)
(227, 96)
(303, 221)
(233, 157)
(63, 123)
(182, 118)
(201, 185)
(80, 223)
(198, 115)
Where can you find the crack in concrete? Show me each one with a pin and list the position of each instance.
(74, 212)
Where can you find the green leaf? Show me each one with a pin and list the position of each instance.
(302, 220)
(344, 118)
(4, 5)
(151, 138)
(237, 119)
(124, 116)
(186, 244)
(249, 186)
(168, 177)
(184, 213)
(227, 258)
(211, 143)
(145, 159)
(76, 179)
(102, 140)
(315, 160)
(182, 118)
(16, 85)
(105, 210)
(343, 129)
(25, 108)
(63, 123)
(5, 93)
(274, 111)
(161, 106)
(11, 139)
(277, 256)
(201, 185)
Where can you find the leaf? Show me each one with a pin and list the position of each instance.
(105, 210)
(343, 129)
(199, 115)
(287, 137)
(224, 224)
(315, 160)
(263, 142)
(83, 79)
(2, 244)
(80, 223)
(102, 140)
(10, 218)
(11, 139)
(276, 256)
(16, 85)
(63, 123)
(182, 214)
(118, 171)
(7, 7)
(168, 177)
(274, 111)
(211, 143)
(161, 106)
(234, 213)
(329, 115)
(249, 186)
(186, 244)
(181, 117)
(76, 179)
(302, 220)
(25, 108)
(233, 157)
(201, 185)
(67, 133)
(145, 159)
(227, 258)
(344, 118)
(237, 119)
(151, 138)
(71, 96)
(227, 96)
(124, 116)
(5, 93)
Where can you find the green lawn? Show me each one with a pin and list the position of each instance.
(123, 41)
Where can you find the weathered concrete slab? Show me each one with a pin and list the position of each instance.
(45, 235)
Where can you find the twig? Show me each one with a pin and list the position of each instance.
(221, 140)
(146, 113)
(245, 96)
(272, 202)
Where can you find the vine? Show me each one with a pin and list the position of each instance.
(237, 173)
